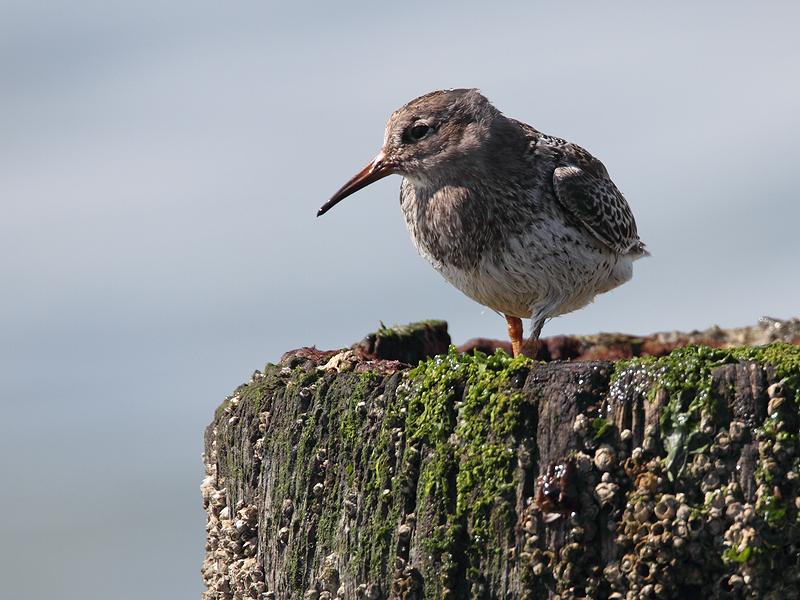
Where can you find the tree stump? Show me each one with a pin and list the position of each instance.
(353, 475)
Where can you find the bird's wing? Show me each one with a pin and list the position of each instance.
(596, 203)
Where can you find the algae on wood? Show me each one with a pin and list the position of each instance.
(490, 477)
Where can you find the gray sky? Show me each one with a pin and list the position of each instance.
(161, 166)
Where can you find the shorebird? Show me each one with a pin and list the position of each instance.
(525, 223)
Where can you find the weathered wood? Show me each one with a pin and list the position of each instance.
(351, 476)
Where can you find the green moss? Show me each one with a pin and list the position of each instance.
(365, 454)
(463, 408)
(784, 357)
(777, 506)
(352, 418)
(303, 376)
(773, 510)
(685, 375)
(599, 428)
(732, 556)
(221, 409)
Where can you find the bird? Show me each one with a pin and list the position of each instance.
(525, 223)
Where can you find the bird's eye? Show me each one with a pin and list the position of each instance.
(418, 131)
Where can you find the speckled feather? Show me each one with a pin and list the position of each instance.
(585, 191)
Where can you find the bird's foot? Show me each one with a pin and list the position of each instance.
(519, 346)
(529, 348)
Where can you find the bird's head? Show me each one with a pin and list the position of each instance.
(430, 136)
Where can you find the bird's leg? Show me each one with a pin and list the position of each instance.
(515, 333)
(531, 346)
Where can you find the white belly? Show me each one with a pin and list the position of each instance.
(528, 282)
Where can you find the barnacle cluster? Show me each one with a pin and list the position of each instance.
(231, 568)
(668, 517)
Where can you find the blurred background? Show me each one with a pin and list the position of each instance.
(161, 164)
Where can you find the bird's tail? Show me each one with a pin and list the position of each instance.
(639, 250)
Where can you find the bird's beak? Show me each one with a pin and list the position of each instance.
(377, 169)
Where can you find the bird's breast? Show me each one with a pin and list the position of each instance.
(458, 226)
(443, 224)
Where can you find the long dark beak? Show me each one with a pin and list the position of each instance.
(377, 169)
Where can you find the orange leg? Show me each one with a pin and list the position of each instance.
(515, 333)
